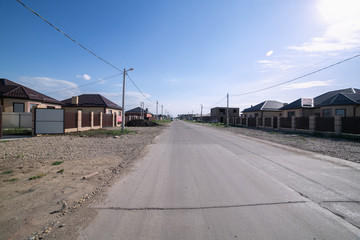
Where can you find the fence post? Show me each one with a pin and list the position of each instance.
(337, 125)
(247, 121)
(1, 111)
(101, 120)
(79, 120)
(278, 123)
(272, 122)
(312, 124)
(293, 123)
(92, 120)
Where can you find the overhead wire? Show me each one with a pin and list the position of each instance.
(82, 46)
(297, 78)
(138, 88)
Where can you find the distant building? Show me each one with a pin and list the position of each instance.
(219, 114)
(138, 113)
(265, 109)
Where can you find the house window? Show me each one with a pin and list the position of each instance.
(18, 107)
(256, 115)
(50, 107)
(340, 112)
(327, 112)
(234, 111)
(109, 112)
(222, 110)
(291, 114)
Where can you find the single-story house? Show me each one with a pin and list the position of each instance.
(92, 103)
(15, 97)
(266, 109)
(342, 104)
(325, 104)
(138, 112)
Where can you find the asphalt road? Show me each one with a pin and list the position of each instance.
(202, 183)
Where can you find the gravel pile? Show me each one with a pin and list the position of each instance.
(331, 146)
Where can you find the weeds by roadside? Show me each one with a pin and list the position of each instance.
(57, 163)
(37, 176)
(102, 133)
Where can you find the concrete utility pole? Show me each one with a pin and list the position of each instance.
(123, 99)
(227, 111)
(157, 116)
(201, 112)
(162, 110)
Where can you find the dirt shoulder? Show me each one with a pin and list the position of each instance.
(42, 178)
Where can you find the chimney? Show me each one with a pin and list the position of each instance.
(75, 100)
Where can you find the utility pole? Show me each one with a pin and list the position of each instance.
(162, 110)
(157, 116)
(123, 100)
(227, 111)
(201, 112)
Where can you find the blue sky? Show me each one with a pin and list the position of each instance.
(185, 53)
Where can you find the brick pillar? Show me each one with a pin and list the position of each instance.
(79, 120)
(92, 120)
(312, 124)
(293, 123)
(1, 111)
(101, 120)
(272, 122)
(247, 122)
(337, 125)
(278, 123)
(113, 117)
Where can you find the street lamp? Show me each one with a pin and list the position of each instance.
(123, 99)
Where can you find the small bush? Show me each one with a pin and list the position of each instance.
(37, 176)
(11, 180)
(7, 172)
(60, 171)
(57, 163)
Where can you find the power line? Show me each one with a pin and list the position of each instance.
(102, 79)
(297, 78)
(138, 88)
(217, 102)
(66, 35)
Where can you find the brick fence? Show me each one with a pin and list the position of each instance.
(312, 124)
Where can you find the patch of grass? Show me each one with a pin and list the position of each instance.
(4, 141)
(57, 163)
(102, 133)
(17, 131)
(11, 180)
(20, 155)
(7, 172)
(60, 171)
(37, 176)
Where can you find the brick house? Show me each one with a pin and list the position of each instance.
(95, 103)
(137, 113)
(15, 97)
(265, 109)
(219, 114)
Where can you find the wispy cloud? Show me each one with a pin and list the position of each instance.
(339, 36)
(84, 76)
(276, 64)
(173, 80)
(47, 85)
(308, 85)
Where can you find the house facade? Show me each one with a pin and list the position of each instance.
(15, 97)
(95, 103)
(138, 112)
(265, 109)
(343, 102)
(219, 114)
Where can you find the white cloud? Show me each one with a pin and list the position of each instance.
(84, 76)
(173, 80)
(47, 86)
(269, 53)
(276, 64)
(339, 36)
(307, 85)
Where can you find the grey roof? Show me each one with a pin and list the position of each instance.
(323, 97)
(10, 89)
(137, 110)
(342, 99)
(92, 100)
(269, 105)
(333, 96)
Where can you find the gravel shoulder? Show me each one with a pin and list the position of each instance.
(56, 166)
(329, 146)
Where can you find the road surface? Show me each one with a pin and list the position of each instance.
(198, 182)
